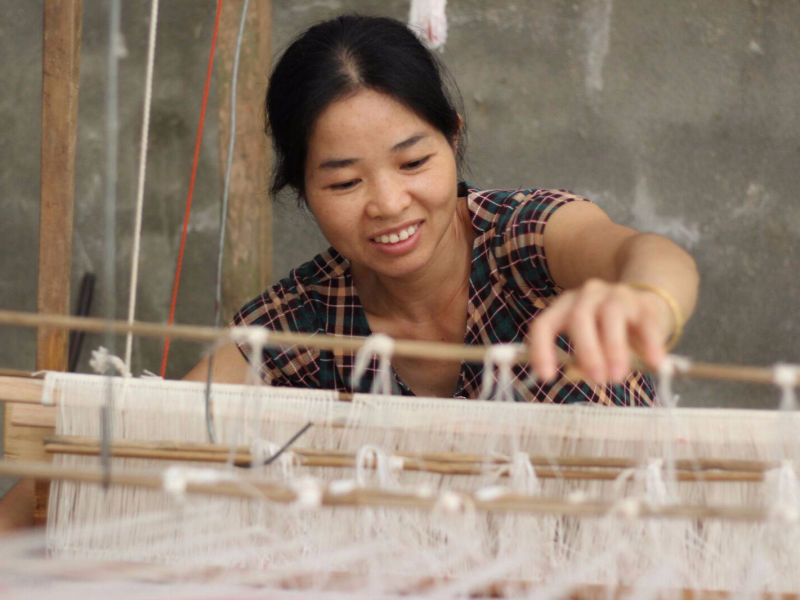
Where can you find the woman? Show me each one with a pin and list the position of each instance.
(366, 134)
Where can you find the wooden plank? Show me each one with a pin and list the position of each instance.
(21, 389)
(248, 248)
(29, 415)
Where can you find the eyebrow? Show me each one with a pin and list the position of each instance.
(409, 142)
(338, 163)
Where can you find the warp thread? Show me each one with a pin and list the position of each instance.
(382, 346)
(499, 357)
(103, 362)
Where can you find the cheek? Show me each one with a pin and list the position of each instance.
(440, 189)
(337, 223)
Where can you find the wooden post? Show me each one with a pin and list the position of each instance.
(60, 71)
(248, 249)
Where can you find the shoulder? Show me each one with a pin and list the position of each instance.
(292, 303)
(495, 208)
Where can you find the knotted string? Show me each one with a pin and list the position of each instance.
(103, 362)
(500, 357)
(382, 346)
(786, 377)
(671, 365)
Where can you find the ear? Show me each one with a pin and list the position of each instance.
(457, 135)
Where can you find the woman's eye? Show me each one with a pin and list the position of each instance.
(414, 164)
(344, 185)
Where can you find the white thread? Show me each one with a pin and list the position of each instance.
(428, 20)
(622, 479)
(460, 426)
(655, 486)
(786, 377)
(382, 346)
(501, 356)
(785, 489)
(450, 502)
(491, 493)
(666, 371)
(424, 491)
(308, 492)
(254, 339)
(577, 497)
(630, 508)
(103, 361)
(396, 463)
(341, 487)
(176, 479)
(252, 336)
(137, 228)
(48, 390)
(523, 475)
(260, 451)
(372, 457)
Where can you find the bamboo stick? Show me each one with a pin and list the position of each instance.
(415, 348)
(573, 468)
(259, 489)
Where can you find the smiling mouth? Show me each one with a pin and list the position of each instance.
(400, 236)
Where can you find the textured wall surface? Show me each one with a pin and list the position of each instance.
(676, 117)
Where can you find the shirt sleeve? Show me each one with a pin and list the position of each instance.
(283, 307)
(520, 250)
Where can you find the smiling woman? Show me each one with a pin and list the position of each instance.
(366, 133)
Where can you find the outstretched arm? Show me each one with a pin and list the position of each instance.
(229, 366)
(625, 292)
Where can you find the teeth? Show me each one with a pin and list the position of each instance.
(396, 237)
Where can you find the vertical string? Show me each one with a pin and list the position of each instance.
(223, 220)
(112, 135)
(382, 346)
(187, 213)
(501, 356)
(143, 143)
(231, 144)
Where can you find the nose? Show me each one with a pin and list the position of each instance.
(388, 197)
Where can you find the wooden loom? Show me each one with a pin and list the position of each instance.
(35, 441)
(247, 272)
(563, 469)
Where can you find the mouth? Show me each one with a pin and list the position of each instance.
(397, 236)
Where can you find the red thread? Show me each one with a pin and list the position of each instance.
(188, 210)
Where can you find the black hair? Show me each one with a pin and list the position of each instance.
(338, 57)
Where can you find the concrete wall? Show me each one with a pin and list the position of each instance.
(676, 117)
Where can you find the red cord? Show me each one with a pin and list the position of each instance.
(191, 188)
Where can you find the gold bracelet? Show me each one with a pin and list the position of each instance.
(671, 302)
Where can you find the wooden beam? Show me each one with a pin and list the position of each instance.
(248, 248)
(60, 78)
(60, 72)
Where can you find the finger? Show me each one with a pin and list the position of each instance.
(613, 323)
(542, 337)
(647, 339)
(583, 332)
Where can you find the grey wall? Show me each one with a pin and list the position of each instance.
(676, 117)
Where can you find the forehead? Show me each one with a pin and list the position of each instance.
(364, 121)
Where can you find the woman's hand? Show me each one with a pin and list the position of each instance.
(607, 324)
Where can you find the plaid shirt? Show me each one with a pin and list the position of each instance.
(509, 284)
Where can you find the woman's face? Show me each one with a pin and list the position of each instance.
(382, 184)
